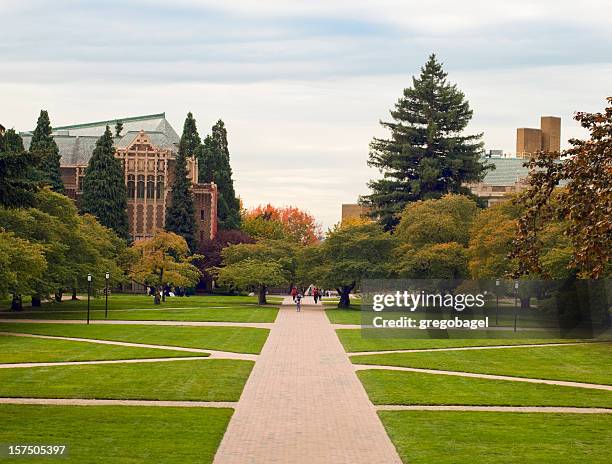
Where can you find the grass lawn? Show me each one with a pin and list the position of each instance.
(351, 315)
(121, 435)
(236, 339)
(580, 363)
(425, 437)
(23, 350)
(394, 387)
(196, 380)
(141, 307)
(353, 340)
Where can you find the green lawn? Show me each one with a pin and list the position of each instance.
(196, 380)
(395, 387)
(350, 315)
(236, 339)
(121, 435)
(354, 340)
(23, 350)
(581, 363)
(141, 307)
(425, 437)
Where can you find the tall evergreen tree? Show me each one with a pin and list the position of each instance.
(17, 172)
(427, 155)
(118, 128)
(44, 147)
(214, 166)
(180, 214)
(104, 193)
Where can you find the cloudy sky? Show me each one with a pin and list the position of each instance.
(301, 85)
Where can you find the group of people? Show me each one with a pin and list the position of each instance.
(297, 296)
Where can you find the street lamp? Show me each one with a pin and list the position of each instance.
(516, 287)
(88, 295)
(106, 276)
(497, 282)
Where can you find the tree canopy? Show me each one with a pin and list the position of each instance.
(18, 183)
(43, 147)
(288, 221)
(427, 154)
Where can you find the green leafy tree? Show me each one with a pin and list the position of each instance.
(434, 261)
(180, 213)
(43, 147)
(427, 154)
(214, 166)
(17, 172)
(104, 193)
(258, 265)
(350, 253)
(163, 260)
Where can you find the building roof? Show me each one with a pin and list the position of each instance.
(77, 142)
(507, 171)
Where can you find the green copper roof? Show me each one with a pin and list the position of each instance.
(112, 122)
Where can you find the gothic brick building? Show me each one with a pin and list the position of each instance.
(147, 148)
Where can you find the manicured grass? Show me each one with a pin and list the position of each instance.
(425, 437)
(355, 340)
(141, 307)
(236, 339)
(196, 380)
(395, 387)
(350, 315)
(581, 363)
(118, 435)
(22, 350)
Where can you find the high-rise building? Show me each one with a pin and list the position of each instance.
(546, 138)
(147, 147)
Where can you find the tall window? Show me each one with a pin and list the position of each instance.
(150, 186)
(131, 186)
(160, 186)
(80, 183)
(140, 187)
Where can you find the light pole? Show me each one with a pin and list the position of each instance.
(88, 295)
(497, 302)
(106, 276)
(516, 287)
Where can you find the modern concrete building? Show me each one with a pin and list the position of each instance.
(546, 138)
(147, 148)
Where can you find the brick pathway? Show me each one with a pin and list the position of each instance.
(303, 402)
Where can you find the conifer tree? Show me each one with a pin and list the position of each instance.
(118, 128)
(18, 173)
(214, 166)
(44, 147)
(180, 214)
(104, 193)
(427, 154)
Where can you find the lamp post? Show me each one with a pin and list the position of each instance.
(516, 287)
(88, 295)
(497, 282)
(106, 277)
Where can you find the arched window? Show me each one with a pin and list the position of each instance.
(131, 186)
(150, 186)
(160, 186)
(140, 187)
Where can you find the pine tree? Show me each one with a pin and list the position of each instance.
(44, 147)
(18, 182)
(104, 193)
(180, 214)
(426, 156)
(214, 166)
(118, 128)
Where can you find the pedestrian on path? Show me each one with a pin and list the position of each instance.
(316, 294)
(294, 293)
(298, 302)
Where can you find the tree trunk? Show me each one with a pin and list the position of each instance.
(525, 303)
(16, 304)
(74, 294)
(58, 295)
(262, 295)
(36, 300)
(344, 291)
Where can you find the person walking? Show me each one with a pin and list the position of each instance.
(298, 302)
(294, 293)
(315, 294)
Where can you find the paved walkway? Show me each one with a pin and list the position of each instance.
(303, 402)
(563, 383)
(214, 354)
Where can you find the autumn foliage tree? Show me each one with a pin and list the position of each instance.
(584, 202)
(297, 225)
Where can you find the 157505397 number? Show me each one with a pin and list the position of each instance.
(34, 450)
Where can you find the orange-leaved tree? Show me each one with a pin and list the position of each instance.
(297, 225)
